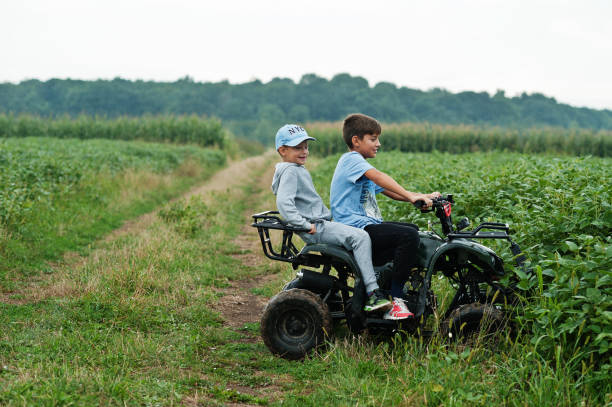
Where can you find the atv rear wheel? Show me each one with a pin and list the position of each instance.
(294, 322)
(467, 321)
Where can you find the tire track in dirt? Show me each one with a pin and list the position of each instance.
(238, 305)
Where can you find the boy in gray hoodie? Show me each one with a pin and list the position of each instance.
(301, 206)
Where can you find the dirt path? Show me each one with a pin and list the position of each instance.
(238, 305)
(236, 173)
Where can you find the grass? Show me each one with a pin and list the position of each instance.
(138, 324)
(59, 195)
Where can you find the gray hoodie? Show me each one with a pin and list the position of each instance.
(296, 198)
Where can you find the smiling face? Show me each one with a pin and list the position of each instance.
(366, 146)
(297, 154)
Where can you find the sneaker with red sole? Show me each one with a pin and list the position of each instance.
(398, 311)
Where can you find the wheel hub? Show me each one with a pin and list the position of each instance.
(296, 326)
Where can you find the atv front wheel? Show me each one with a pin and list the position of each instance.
(294, 322)
(469, 320)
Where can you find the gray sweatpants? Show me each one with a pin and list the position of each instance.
(351, 238)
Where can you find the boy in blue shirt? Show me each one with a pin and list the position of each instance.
(301, 206)
(353, 202)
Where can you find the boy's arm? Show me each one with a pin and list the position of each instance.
(394, 190)
(393, 195)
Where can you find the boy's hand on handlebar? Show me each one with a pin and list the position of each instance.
(313, 229)
(425, 201)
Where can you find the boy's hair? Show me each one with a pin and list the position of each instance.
(359, 125)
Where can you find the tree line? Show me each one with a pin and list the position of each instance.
(254, 108)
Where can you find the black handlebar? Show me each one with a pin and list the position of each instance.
(438, 202)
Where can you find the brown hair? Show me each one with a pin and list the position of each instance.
(359, 125)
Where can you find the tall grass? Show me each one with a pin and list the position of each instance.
(426, 137)
(175, 129)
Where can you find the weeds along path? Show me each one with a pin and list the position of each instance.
(165, 310)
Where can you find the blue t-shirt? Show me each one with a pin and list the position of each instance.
(353, 195)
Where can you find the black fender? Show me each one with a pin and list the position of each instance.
(462, 251)
(338, 257)
(429, 242)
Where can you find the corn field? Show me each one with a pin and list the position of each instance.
(425, 137)
(173, 129)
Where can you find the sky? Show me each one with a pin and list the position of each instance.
(562, 49)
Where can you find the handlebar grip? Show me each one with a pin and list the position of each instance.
(420, 204)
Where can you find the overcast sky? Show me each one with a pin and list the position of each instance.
(560, 48)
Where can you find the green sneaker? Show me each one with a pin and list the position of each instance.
(376, 301)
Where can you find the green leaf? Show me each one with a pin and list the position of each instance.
(595, 328)
(593, 294)
(573, 247)
(522, 275)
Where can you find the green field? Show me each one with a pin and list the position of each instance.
(58, 195)
(560, 211)
(134, 319)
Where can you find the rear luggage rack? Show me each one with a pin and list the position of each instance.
(267, 220)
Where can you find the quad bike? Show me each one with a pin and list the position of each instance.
(329, 289)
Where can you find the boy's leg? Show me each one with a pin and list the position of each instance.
(397, 242)
(412, 225)
(356, 240)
